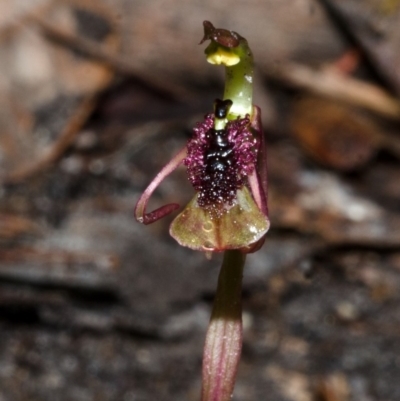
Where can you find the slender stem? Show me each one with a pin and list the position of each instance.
(224, 336)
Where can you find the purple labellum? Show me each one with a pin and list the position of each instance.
(218, 161)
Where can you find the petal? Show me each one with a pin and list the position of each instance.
(243, 224)
(261, 174)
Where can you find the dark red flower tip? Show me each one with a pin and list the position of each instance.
(223, 37)
(218, 161)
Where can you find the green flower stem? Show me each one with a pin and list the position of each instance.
(224, 336)
(239, 69)
(239, 83)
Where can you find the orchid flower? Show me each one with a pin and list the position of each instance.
(226, 165)
(225, 162)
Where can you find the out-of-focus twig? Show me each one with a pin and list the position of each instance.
(367, 36)
(333, 388)
(120, 65)
(338, 86)
(90, 270)
(56, 149)
(42, 259)
(12, 226)
(18, 15)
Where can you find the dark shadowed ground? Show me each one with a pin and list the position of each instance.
(96, 96)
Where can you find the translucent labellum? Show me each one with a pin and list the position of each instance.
(243, 224)
(223, 215)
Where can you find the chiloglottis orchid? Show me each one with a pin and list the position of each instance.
(225, 161)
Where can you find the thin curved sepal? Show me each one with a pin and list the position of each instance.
(240, 226)
(140, 209)
(258, 179)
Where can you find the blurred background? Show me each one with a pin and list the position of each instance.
(96, 96)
